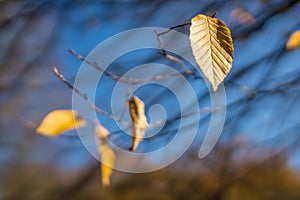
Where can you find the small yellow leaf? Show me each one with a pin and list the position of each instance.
(60, 121)
(107, 155)
(294, 41)
(212, 47)
(139, 121)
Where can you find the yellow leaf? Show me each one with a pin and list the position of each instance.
(139, 121)
(60, 121)
(294, 41)
(212, 48)
(107, 155)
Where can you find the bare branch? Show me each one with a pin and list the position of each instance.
(170, 57)
(84, 96)
(129, 80)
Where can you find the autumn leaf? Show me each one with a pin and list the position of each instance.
(212, 47)
(294, 41)
(60, 121)
(139, 121)
(107, 155)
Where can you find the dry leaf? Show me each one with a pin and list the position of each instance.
(294, 41)
(107, 155)
(243, 16)
(60, 121)
(212, 47)
(139, 121)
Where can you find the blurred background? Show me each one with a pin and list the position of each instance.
(257, 156)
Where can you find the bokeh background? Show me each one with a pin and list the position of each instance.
(257, 156)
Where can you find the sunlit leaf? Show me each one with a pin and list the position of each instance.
(242, 16)
(60, 121)
(139, 121)
(212, 47)
(294, 41)
(107, 155)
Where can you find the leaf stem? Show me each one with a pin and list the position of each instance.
(173, 27)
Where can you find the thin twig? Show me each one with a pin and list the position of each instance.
(182, 25)
(173, 27)
(214, 15)
(84, 96)
(170, 57)
(123, 79)
(92, 105)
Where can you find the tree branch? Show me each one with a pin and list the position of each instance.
(84, 96)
